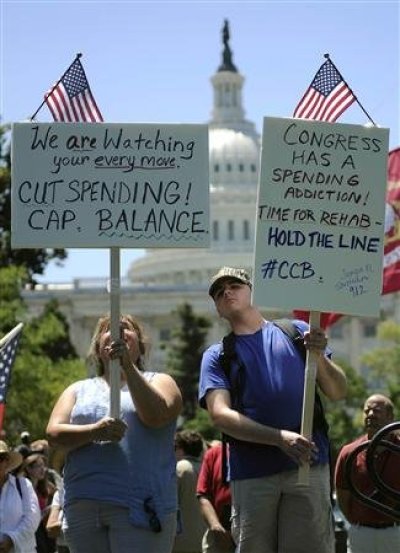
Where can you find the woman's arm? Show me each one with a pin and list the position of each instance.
(71, 436)
(157, 402)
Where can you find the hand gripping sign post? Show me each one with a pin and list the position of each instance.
(97, 185)
(320, 225)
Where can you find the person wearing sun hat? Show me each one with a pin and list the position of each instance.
(11, 459)
(19, 508)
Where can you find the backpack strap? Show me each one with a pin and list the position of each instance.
(228, 353)
(224, 459)
(228, 357)
(294, 335)
(18, 484)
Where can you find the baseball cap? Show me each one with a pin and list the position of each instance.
(228, 272)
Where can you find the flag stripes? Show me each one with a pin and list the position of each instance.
(327, 97)
(71, 99)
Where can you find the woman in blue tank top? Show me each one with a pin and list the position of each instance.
(119, 476)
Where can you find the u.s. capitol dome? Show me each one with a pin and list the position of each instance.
(234, 150)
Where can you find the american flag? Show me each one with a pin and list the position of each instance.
(71, 99)
(7, 356)
(327, 97)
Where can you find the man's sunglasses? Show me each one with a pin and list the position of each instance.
(221, 288)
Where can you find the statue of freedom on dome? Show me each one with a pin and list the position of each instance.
(227, 63)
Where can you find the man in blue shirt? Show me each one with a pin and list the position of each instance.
(271, 512)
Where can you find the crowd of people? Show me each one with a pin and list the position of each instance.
(134, 483)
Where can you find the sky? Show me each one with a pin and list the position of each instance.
(151, 62)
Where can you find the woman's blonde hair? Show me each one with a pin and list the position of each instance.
(103, 325)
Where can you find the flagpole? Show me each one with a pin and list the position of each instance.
(78, 56)
(11, 334)
(327, 56)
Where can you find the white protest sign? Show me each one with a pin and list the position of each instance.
(320, 217)
(97, 185)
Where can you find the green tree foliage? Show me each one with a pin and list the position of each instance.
(345, 417)
(384, 362)
(45, 362)
(54, 324)
(184, 353)
(11, 305)
(34, 260)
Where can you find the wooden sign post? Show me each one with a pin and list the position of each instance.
(309, 397)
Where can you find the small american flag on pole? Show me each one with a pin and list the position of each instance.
(71, 99)
(8, 350)
(327, 97)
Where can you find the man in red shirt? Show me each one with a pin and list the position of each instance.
(215, 502)
(370, 530)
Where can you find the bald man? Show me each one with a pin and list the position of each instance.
(370, 531)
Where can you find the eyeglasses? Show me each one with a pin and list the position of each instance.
(154, 521)
(4, 457)
(230, 284)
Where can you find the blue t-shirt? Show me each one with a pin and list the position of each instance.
(272, 387)
(128, 472)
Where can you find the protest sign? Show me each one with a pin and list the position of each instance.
(103, 185)
(320, 216)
